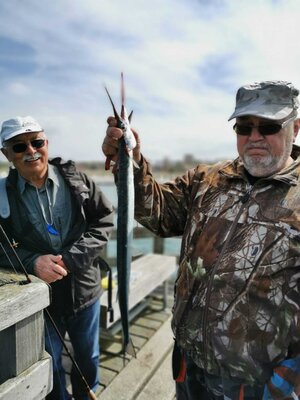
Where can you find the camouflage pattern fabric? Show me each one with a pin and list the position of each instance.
(236, 309)
(201, 385)
(270, 99)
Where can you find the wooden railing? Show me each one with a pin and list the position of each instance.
(157, 245)
(25, 367)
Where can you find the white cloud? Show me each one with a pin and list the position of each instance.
(183, 61)
(18, 89)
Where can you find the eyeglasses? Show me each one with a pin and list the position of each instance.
(21, 147)
(264, 130)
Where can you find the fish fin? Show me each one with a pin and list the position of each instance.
(130, 349)
(130, 116)
(113, 106)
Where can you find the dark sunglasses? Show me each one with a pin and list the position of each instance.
(264, 130)
(21, 147)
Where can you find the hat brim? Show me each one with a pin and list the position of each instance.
(20, 132)
(272, 112)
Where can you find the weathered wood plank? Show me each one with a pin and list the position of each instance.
(147, 273)
(141, 331)
(114, 363)
(21, 346)
(156, 315)
(139, 232)
(148, 322)
(161, 385)
(33, 384)
(111, 358)
(17, 302)
(106, 376)
(25, 369)
(138, 342)
(130, 381)
(113, 346)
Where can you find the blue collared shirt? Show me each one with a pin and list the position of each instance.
(61, 206)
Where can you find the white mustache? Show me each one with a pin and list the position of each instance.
(35, 157)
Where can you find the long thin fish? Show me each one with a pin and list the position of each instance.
(125, 189)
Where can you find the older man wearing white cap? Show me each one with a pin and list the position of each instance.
(61, 221)
(20, 134)
(237, 295)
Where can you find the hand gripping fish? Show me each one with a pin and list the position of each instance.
(125, 189)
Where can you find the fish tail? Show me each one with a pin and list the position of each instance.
(129, 348)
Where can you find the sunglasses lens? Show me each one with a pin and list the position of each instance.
(269, 129)
(242, 130)
(265, 130)
(21, 147)
(38, 143)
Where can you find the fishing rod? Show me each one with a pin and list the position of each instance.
(89, 391)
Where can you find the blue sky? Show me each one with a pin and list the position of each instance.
(183, 61)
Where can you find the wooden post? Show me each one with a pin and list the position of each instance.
(158, 245)
(22, 355)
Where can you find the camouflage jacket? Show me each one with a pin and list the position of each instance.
(237, 300)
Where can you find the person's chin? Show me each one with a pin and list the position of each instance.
(256, 165)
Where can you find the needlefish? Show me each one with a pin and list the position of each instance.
(125, 215)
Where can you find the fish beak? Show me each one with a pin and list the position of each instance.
(113, 106)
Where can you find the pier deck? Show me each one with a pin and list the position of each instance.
(149, 376)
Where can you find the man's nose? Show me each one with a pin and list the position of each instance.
(30, 149)
(255, 135)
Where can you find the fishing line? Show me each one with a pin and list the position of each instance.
(15, 254)
(8, 258)
(10, 281)
(90, 393)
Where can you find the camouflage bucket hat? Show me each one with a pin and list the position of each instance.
(270, 99)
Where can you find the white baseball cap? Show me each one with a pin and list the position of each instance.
(16, 126)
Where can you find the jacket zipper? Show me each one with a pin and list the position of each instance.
(244, 199)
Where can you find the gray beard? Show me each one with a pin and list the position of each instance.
(268, 165)
(264, 166)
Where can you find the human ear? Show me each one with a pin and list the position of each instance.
(5, 152)
(296, 128)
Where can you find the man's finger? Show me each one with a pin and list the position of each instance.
(114, 133)
(112, 121)
(60, 271)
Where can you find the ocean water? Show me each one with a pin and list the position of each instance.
(140, 246)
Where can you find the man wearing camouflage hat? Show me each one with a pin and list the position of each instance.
(237, 302)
